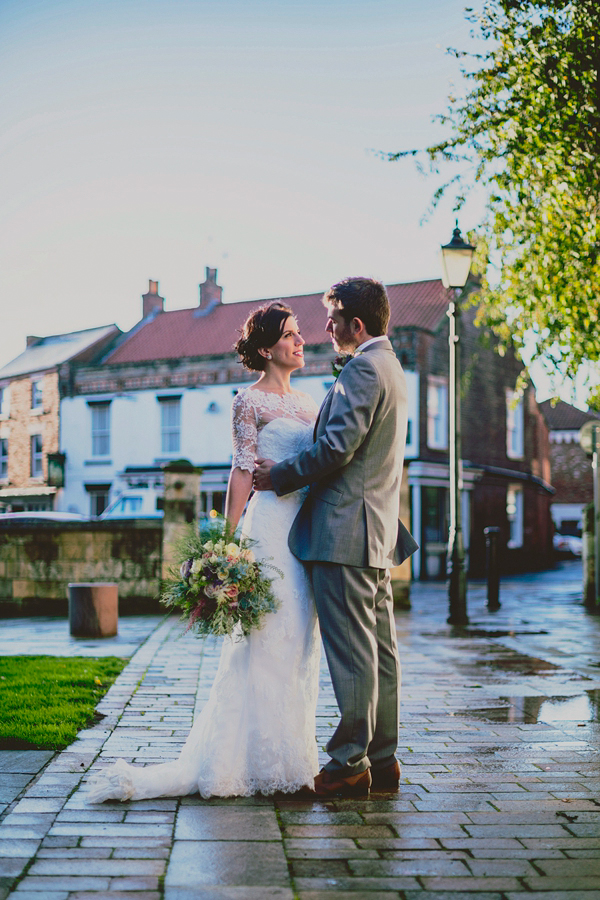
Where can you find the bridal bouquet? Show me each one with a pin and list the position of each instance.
(219, 583)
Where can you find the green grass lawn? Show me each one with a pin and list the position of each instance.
(46, 700)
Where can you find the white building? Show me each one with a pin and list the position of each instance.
(121, 440)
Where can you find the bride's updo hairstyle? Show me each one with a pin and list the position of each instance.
(261, 330)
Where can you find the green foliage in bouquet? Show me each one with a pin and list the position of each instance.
(219, 584)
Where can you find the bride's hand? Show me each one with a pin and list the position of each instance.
(261, 479)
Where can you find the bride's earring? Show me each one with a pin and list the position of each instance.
(269, 356)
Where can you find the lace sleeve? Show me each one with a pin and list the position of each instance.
(244, 433)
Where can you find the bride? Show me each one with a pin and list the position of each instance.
(257, 729)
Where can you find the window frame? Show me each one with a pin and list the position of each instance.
(3, 459)
(168, 431)
(515, 513)
(95, 493)
(100, 436)
(515, 426)
(36, 456)
(37, 394)
(437, 420)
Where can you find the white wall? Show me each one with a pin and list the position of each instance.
(135, 432)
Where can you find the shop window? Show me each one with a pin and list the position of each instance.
(212, 503)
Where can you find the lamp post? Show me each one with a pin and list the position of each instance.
(456, 264)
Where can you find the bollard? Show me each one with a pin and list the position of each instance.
(492, 565)
(93, 609)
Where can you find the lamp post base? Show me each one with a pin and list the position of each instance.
(457, 595)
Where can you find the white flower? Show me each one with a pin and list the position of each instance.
(209, 546)
(232, 550)
(196, 567)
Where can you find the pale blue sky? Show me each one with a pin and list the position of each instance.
(151, 138)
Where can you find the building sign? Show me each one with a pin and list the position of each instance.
(56, 470)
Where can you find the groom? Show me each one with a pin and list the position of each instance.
(348, 533)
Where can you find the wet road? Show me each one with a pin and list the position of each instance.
(499, 745)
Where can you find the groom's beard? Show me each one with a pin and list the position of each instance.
(345, 346)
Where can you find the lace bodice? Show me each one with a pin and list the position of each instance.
(254, 409)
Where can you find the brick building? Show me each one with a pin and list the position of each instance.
(31, 386)
(505, 451)
(571, 468)
(165, 390)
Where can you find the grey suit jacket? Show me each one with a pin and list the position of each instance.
(354, 468)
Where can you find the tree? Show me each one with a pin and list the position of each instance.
(529, 130)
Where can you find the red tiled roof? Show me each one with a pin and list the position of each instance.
(185, 332)
(564, 417)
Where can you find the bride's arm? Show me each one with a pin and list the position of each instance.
(238, 491)
(244, 434)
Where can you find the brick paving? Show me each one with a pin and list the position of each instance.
(499, 799)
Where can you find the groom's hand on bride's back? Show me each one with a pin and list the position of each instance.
(261, 478)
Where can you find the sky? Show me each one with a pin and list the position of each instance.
(148, 139)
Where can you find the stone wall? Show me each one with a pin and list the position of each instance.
(37, 562)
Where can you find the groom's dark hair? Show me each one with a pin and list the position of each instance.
(361, 298)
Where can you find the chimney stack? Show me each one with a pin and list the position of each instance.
(31, 340)
(152, 302)
(210, 292)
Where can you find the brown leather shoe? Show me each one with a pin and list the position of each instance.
(387, 779)
(328, 784)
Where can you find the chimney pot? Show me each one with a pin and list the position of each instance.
(152, 302)
(31, 340)
(211, 293)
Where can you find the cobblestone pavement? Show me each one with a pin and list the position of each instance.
(499, 798)
(49, 636)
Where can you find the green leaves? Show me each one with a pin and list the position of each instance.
(529, 130)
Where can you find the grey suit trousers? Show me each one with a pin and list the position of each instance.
(355, 608)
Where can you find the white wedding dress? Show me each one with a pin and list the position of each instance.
(256, 732)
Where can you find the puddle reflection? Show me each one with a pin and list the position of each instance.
(583, 707)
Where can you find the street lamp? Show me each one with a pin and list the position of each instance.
(456, 264)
